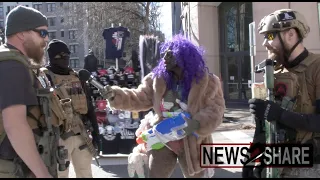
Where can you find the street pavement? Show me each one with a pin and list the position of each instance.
(237, 127)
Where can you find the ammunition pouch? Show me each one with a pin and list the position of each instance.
(286, 90)
(79, 103)
(62, 155)
(70, 88)
(66, 105)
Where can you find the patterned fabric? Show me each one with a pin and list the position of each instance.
(170, 97)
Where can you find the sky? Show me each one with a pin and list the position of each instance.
(166, 20)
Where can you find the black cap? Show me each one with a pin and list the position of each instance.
(57, 46)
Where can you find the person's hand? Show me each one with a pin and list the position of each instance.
(265, 110)
(107, 93)
(193, 125)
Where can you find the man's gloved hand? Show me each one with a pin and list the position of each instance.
(251, 172)
(247, 172)
(107, 93)
(265, 110)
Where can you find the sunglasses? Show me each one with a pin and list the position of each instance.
(270, 36)
(42, 32)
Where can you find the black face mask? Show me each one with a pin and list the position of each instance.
(62, 62)
(60, 65)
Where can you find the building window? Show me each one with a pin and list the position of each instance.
(52, 21)
(61, 4)
(51, 7)
(52, 35)
(62, 33)
(1, 13)
(72, 21)
(72, 34)
(38, 7)
(1, 25)
(74, 63)
(62, 20)
(73, 48)
(235, 20)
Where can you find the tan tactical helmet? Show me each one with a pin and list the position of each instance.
(283, 19)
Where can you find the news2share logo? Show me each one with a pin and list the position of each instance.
(254, 155)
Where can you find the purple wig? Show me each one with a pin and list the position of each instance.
(189, 58)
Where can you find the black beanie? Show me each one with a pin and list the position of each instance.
(55, 47)
(23, 18)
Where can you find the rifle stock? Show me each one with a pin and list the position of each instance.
(48, 143)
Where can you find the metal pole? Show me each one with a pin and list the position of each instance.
(117, 65)
(85, 33)
(252, 44)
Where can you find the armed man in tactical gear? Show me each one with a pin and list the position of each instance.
(80, 111)
(297, 82)
(30, 115)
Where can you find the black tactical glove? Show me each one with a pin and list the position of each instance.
(265, 110)
(251, 172)
(247, 172)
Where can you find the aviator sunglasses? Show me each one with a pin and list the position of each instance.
(42, 32)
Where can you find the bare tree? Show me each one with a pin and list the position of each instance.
(93, 17)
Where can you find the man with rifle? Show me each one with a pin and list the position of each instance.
(295, 97)
(30, 114)
(81, 119)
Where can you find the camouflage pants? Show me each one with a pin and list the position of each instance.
(80, 159)
(313, 172)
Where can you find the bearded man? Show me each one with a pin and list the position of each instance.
(22, 123)
(182, 74)
(297, 76)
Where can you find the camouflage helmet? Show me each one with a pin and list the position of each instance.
(283, 19)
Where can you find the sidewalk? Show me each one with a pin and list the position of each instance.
(237, 118)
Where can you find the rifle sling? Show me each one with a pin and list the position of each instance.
(83, 146)
(66, 135)
(40, 131)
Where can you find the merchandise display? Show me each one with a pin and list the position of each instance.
(116, 127)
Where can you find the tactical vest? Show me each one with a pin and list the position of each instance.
(35, 116)
(293, 84)
(69, 86)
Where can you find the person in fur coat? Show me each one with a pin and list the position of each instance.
(181, 74)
